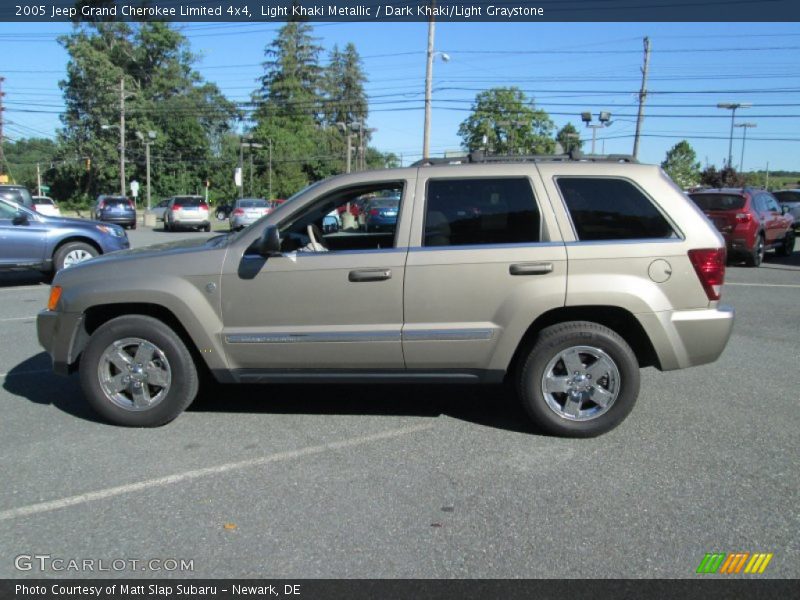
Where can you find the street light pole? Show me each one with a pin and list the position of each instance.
(745, 127)
(270, 169)
(122, 137)
(151, 135)
(732, 106)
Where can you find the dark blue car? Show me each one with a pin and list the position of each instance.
(116, 209)
(381, 214)
(29, 240)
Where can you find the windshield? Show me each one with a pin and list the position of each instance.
(20, 195)
(232, 237)
(718, 201)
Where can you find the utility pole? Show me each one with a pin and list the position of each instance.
(732, 106)
(270, 169)
(2, 139)
(766, 178)
(642, 97)
(745, 127)
(147, 170)
(349, 152)
(38, 180)
(122, 137)
(428, 85)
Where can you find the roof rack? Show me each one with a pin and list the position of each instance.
(479, 157)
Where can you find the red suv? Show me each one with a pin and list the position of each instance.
(750, 220)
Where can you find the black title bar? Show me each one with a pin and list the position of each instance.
(259, 11)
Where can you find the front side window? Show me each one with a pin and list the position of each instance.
(7, 211)
(462, 212)
(362, 217)
(605, 208)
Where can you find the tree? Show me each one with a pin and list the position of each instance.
(162, 93)
(569, 138)
(504, 121)
(727, 177)
(681, 165)
(289, 110)
(22, 157)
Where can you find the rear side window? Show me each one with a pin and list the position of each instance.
(16, 194)
(462, 212)
(787, 196)
(612, 209)
(718, 201)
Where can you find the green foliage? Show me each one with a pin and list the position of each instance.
(681, 165)
(569, 138)
(509, 124)
(22, 156)
(163, 94)
(727, 177)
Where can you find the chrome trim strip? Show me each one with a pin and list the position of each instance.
(626, 241)
(446, 335)
(313, 337)
(412, 335)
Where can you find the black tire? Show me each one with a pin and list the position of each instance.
(133, 226)
(60, 257)
(167, 226)
(221, 215)
(548, 347)
(787, 247)
(184, 377)
(756, 255)
(207, 228)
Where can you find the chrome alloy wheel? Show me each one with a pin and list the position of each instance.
(76, 256)
(134, 374)
(581, 383)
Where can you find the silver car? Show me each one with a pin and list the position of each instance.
(248, 210)
(186, 211)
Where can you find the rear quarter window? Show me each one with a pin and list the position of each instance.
(607, 208)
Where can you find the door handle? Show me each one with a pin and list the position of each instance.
(531, 268)
(370, 275)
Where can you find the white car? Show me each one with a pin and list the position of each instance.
(46, 206)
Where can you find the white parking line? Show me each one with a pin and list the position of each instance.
(17, 319)
(32, 509)
(36, 372)
(778, 285)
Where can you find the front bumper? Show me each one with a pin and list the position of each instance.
(62, 335)
(688, 338)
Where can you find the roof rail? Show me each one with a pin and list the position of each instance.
(479, 157)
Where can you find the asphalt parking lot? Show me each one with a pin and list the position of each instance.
(429, 482)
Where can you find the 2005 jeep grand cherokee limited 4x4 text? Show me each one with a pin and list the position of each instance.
(565, 275)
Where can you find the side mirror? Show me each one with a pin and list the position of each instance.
(269, 244)
(20, 219)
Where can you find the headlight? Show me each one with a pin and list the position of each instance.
(112, 230)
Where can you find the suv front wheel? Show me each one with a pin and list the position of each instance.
(135, 371)
(580, 379)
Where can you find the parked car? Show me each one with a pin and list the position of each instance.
(46, 206)
(31, 240)
(159, 210)
(750, 220)
(563, 276)
(222, 211)
(790, 203)
(115, 209)
(248, 210)
(380, 214)
(18, 194)
(184, 212)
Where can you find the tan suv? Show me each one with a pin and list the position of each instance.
(565, 275)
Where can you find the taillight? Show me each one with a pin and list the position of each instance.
(373, 212)
(102, 205)
(238, 211)
(176, 207)
(743, 217)
(709, 264)
(131, 204)
(204, 206)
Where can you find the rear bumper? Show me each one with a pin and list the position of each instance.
(62, 336)
(118, 218)
(688, 338)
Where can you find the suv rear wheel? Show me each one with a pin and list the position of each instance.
(580, 379)
(137, 372)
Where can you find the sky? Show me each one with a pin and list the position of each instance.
(564, 68)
